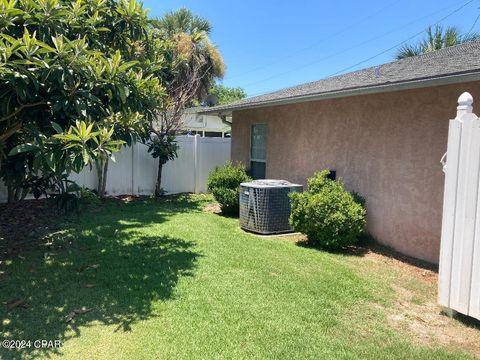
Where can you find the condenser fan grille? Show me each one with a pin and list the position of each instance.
(265, 206)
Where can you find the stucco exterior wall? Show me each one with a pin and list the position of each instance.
(385, 146)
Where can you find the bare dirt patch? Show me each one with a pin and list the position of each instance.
(24, 223)
(415, 311)
(418, 268)
(213, 208)
(425, 324)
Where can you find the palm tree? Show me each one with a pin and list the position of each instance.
(192, 49)
(194, 63)
(436, 39)
(183, 20)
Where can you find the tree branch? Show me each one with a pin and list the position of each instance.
(9, 132)
(20, 109)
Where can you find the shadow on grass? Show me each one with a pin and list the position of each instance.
(360, 249)
(367, 244)
(110, 262)
(465, 320)
(229, 215)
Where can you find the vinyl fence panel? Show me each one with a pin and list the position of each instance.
(134, 170)
(145, 170)
(459, 272)
(179, 175)
(120, 175)
(210, 151)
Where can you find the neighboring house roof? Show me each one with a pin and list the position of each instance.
(454, 64)
(194, 119)
(194, 109)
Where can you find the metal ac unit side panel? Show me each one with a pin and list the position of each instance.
(266, 210)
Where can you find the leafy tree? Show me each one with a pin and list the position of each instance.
(63, 61)
(127, 128)
(164, 148)
(102, 62)
(437, 38)
(57, 156)
(226, 94)
(193, 63)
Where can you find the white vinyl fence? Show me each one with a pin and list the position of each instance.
(134, 171)
(459, 269)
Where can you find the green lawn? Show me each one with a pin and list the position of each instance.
(167, 280)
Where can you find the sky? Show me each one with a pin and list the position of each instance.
(269, 45)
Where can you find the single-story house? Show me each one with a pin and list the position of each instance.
(206, 125)
(383, 130)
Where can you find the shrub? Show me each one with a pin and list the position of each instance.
(319, 181)
(359, 199)
(89, 197)
(224, 183)
(329, 215)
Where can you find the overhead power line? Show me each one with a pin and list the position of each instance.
(473, 26)
(400, 43)
(295, 53)
(364, 43)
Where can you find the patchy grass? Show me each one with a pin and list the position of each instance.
(165, 279)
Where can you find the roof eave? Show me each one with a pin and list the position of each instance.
(405, 85)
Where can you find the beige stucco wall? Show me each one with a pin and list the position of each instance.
(385, 146)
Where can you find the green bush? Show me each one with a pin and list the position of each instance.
(329, 215)
(88, 197)
(319, 181)
(359, 199)
(224, 183)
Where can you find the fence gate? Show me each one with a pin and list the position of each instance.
(459, 269)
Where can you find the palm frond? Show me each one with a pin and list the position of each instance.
(408, 51)
(436, 38)
(451, 37)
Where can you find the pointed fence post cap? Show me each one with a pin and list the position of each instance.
(465, 102)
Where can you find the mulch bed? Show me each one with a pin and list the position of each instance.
(24, 223)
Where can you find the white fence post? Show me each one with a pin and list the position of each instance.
(195, 163)
(465, 102)
(132, 175)
(459, 267)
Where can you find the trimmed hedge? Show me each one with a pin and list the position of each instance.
(329, 215)
(224, 183)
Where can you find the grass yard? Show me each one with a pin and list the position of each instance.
(167, 280)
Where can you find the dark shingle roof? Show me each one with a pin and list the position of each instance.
(445, 63)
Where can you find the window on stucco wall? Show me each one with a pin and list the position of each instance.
(258, 150)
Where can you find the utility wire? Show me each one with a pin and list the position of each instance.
(364, 43)
(473, 26)
(401, 43)
(295, 53)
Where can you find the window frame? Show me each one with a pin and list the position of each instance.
(264, 161)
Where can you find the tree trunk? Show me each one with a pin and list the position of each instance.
(102, 169)
(98, 166)
(158, 185)
(11, 194)
(18, 194)
(104, 178)
(24, 194)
